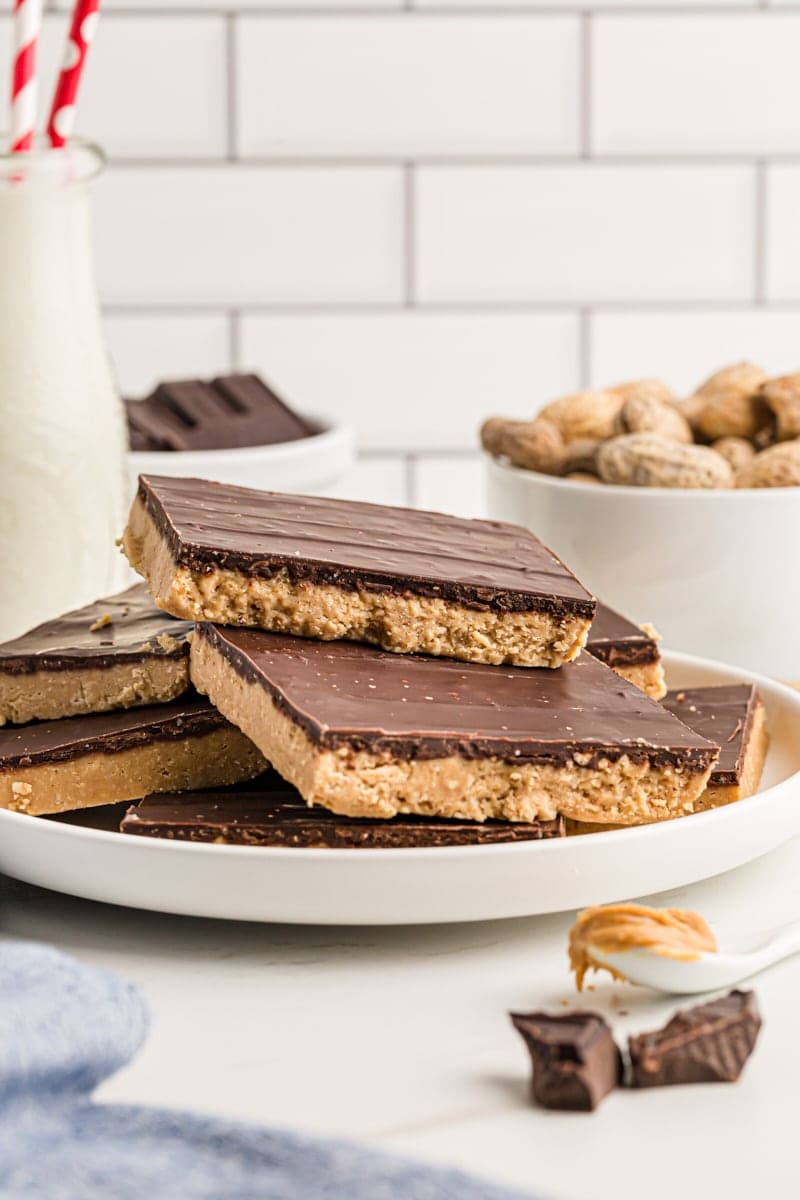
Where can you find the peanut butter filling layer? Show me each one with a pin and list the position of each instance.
(396, 620)
(649, 677)
(210, 760)
(50, 695)
(365, 783)
(741, 725)
(618, 928)
(751, 768)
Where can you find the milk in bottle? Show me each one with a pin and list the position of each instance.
(62, 440)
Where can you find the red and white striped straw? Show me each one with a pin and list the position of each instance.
(27, 25)
(81, 32)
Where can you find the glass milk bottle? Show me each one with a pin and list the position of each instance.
(62, 432)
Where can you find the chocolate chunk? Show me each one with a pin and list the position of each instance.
(269, 812)
(617, 642)
(707, 1044)
(106, 733)
(485, 565)
(575, 1060)
(230, 411)
(346, 695)
(723, 714)
(135, 630)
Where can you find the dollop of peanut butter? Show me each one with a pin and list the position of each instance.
(614, 928)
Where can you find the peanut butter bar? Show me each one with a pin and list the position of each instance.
(630, 650)
(370, 734)
(409, 581)
(733, 716)
(270, 812)
(120, 652)
(53, 766)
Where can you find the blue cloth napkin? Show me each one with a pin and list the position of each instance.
(64, 1027)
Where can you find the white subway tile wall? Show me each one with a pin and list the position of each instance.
(408, 214)
(415, 380)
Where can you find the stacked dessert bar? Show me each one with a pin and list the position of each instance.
(409, 678)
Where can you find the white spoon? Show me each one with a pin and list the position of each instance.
(706, 973)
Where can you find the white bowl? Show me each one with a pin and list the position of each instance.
(305, 465)
(717, 572)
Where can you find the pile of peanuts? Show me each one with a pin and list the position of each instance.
(740, 429)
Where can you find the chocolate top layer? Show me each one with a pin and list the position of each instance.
(346, 694)
(617, 641)
(722, 714)
(230, 411)
(483, 564)
(137, 630)
(106, 733)
(269, 811)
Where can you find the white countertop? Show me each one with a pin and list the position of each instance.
(399, 1037)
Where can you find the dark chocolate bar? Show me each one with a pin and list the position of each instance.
(270, 812)
(575, 1059)
(230, 411)
(706, 1044)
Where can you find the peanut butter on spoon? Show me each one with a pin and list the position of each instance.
(616, 928)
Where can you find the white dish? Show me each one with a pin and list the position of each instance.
(301, 466)
(716, 572)
(398, 887)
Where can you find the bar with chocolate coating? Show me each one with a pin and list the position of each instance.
(270, 812)
(371, 734)
(406, 580)
(119, 652)
(630, 650)
(80, 762)
(733, 716)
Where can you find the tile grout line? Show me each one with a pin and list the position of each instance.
(459, 161)
(231, 88)
(760, 234)
(586, 85)
(409, 236)
(503, 11)
(476, 308)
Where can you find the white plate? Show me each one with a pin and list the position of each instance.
(396, 887)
